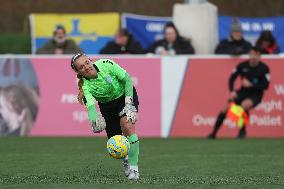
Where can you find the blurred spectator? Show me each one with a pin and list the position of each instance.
(267, 43)
(172, 43)
(124, 43)
(235, 44)
(59, 44)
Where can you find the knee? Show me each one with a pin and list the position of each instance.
(247, 104)
(127, 127)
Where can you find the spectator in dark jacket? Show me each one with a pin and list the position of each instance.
(235, 44)
(124, 43)
(172, 43)
(59, 44)
(267, 43)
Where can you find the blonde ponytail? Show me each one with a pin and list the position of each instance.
(80, 89)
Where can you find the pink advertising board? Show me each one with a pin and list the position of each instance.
(38, 97)
(59, 112)
(204, 95)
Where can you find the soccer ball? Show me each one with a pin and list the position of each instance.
(118, 146)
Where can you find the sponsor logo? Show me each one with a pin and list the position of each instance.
(109, 79)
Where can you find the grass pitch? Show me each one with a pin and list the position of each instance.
(27, 163)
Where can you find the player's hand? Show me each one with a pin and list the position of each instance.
(129, 110)
(233, 95)
(99, 124)
(246, 83)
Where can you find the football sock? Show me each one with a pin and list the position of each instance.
(218, 123)
(134, 150)
(242, 132)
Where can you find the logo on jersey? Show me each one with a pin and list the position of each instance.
(109, 79)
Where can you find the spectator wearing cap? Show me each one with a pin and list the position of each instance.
(172, 43)
(59, 44)
(267, 43)
(124, 43)
(235, 44)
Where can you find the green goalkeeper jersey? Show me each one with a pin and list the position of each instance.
(111, 82)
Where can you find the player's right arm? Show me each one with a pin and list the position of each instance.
(97, 122)
(90, 104)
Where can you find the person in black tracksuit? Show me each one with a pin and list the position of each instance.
(124, 43)
(255, 76)
(235, 44)
(172, 43)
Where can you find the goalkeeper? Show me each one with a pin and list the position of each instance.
(255, 80)
(111, 86)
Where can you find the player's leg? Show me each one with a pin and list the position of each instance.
(109, 112)
(112, 126)
(112, 120)
(222, 115)
(219, 121)
(242, 132)
(248, 104)
(128, 130)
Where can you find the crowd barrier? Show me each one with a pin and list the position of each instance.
(179, 96)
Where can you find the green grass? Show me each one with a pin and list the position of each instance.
(165, 163)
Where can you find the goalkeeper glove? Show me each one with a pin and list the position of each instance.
(99, 124)
(129, 110)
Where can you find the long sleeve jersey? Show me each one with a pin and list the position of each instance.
(111, 82)
(258, 75)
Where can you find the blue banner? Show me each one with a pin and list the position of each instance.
(145, 29)
(252, 27)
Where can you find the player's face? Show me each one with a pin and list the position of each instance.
(85, 67)
(254, 57)
(170, 35)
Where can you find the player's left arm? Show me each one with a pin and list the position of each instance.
(264, 80)
(124, 77)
